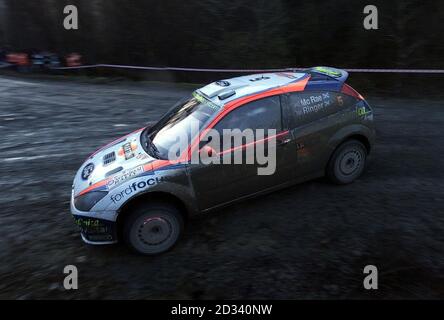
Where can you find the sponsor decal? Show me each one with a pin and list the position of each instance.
(142, 156)
(87, 170)
(362, 111)
(135, 187)
(124, 176)
(95, 229)
(87, 222)
(315, 103)
(328, 71)
(202, 100)
(127, 150)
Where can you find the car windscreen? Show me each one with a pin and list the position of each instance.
(173, 133)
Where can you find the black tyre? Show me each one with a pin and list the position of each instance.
(347, 162)
(153, 228)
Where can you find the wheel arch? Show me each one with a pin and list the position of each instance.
(363, 134)
(359, 137)
(154, 196)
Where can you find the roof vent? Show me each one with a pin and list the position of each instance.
(262, 77)
(226, 94)
(223, 83)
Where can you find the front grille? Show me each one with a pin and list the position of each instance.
(109, 158)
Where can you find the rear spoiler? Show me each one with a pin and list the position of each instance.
(334, 73)
(323, 73)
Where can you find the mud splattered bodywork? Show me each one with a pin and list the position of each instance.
(317, 112)
(101, 187)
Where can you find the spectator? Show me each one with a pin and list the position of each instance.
(73, 60)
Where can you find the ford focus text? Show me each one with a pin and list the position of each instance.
(230, 140)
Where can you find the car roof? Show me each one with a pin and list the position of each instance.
(223, 91)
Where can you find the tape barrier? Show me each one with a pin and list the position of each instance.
(4, 65)
(129, 67)
(118, 66)
(424, 71)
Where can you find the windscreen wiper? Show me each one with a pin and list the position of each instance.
(150, 145)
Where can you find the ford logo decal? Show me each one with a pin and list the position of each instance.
(86, 172)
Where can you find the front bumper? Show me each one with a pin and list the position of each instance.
(94, 230)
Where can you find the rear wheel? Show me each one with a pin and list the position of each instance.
(153, 228)
(347, 162)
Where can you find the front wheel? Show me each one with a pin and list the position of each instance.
(347, 162)
(153, 228)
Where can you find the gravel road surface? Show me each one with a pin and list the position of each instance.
(309, 241)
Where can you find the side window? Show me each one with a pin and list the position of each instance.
(263, 114)
(260, 114)
(306, 107)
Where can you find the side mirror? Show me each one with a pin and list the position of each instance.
(207, 152)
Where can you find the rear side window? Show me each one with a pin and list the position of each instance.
(306, 107)
(260, 114)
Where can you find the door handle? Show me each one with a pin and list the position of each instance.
(284, 141)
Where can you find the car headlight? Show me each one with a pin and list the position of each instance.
(88, 200)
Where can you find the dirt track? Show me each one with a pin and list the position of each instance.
(309, 241)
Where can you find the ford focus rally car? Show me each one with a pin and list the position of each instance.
(132, 190)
